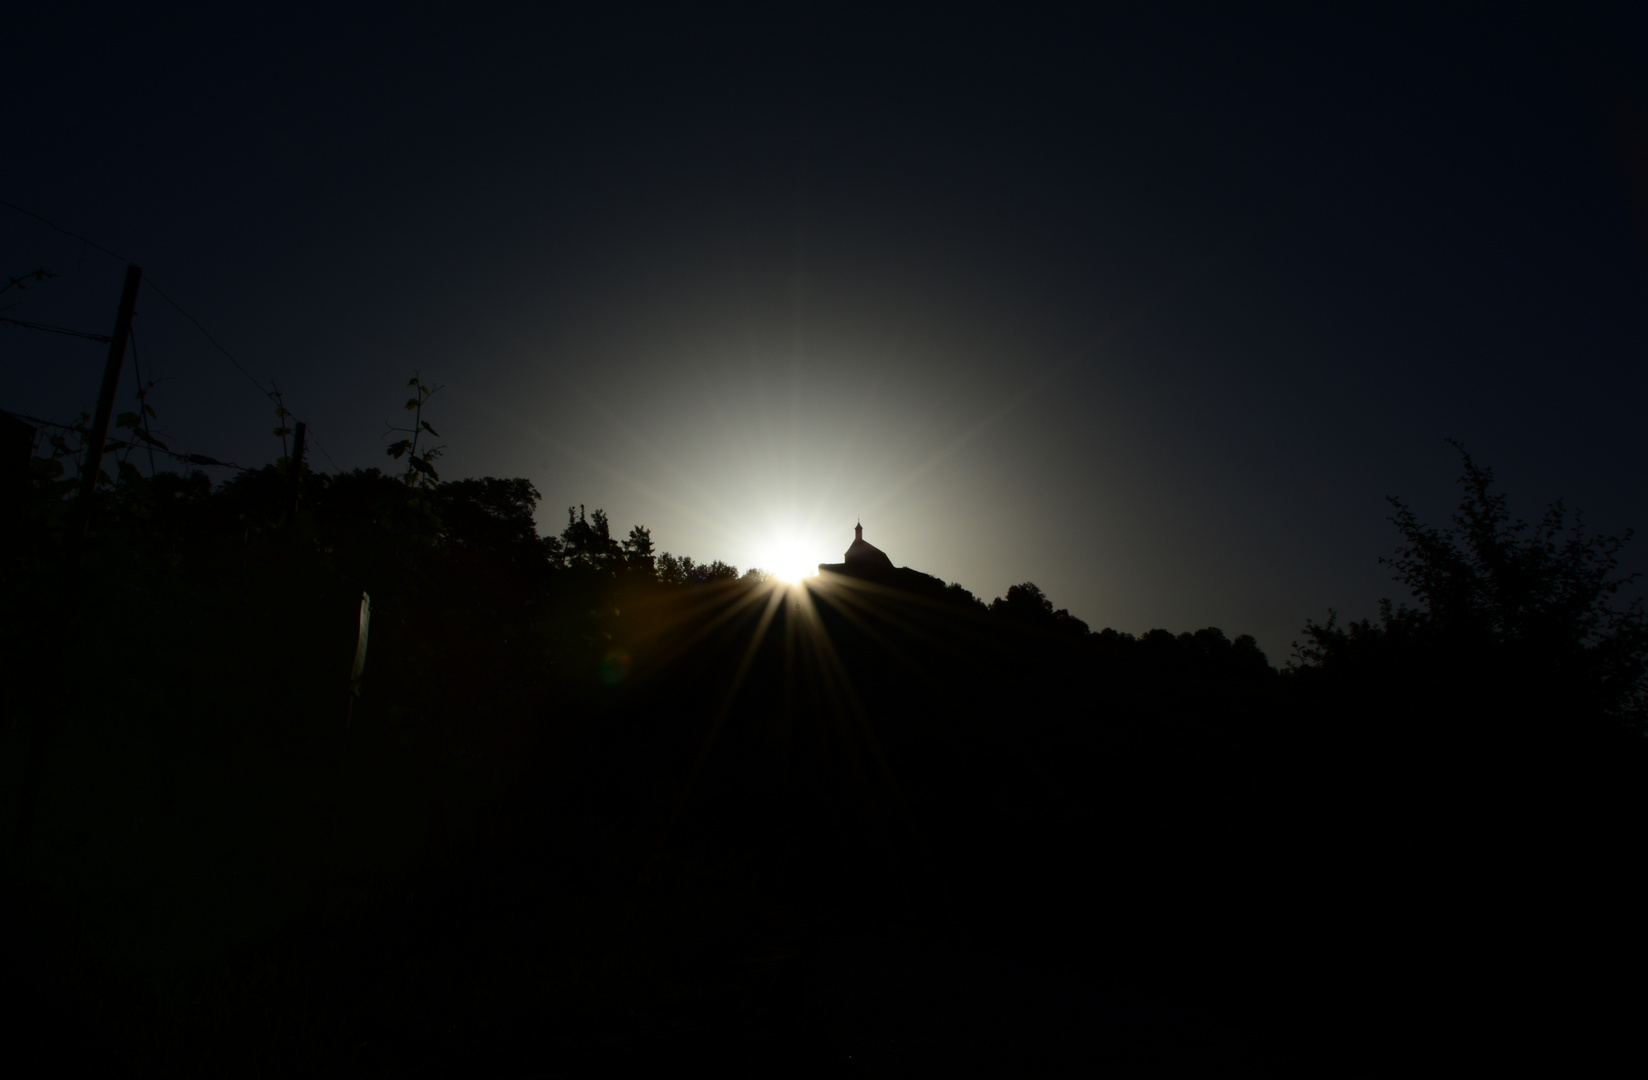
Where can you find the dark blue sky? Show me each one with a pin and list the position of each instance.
(1150, 309)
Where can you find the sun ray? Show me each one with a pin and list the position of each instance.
(857, 721)
(774, 597)
(715, 597)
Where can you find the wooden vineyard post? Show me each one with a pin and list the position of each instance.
(360, 657)
(297, 469)
(111, 380)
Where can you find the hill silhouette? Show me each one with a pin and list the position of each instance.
(597, 809)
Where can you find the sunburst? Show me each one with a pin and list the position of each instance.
(789, 557)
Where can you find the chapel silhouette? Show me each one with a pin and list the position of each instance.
(863, 559)
(866, 561)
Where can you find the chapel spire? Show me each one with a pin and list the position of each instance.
(866, 556)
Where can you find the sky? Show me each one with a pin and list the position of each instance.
(1152, 307)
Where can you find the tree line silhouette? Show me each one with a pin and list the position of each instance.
(596, 802)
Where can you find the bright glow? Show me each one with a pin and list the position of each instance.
(789, 559)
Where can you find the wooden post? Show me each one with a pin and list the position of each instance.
(297, 465)
(111, 380)
(360, 657)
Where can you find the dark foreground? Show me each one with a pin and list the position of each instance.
(582, 824)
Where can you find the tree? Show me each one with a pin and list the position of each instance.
(588, 540)
(488, 512)
(716, 570)
(1026, 603)
(1520, 617)
(638, 550)
(681, 570)
(673, 570)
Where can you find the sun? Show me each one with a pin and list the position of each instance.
(789, 559)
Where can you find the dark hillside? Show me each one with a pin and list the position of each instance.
(587, 816)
